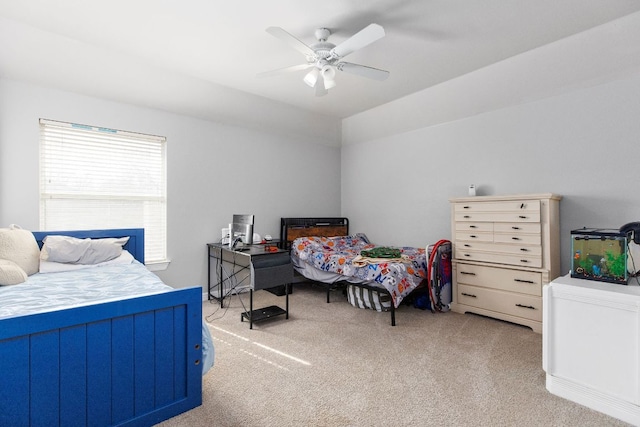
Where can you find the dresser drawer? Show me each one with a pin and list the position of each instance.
(520, 305)
(464, 254)
(500, 206)
(475, 226)
(474, 236)
(524, 282)
(503, 248)
(518, 238)
(516, 227)
(515, 217)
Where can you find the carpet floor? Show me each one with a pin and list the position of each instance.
(337, 365)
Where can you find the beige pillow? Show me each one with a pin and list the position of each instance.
(20, 246)
(11, 273)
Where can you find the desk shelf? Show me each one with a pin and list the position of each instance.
(263, 313)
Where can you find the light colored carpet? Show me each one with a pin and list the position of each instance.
(336, 365)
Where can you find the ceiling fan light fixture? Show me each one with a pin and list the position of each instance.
(328, 84)
(328, 74)
(312, 77)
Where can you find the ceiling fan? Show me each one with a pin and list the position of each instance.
(325, 58)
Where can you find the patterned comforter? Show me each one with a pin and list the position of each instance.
(337, 255)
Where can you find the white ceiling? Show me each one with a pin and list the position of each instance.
(127, 50)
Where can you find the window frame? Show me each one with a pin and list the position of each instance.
(89, 168)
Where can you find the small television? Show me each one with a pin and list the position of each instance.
(241, 229)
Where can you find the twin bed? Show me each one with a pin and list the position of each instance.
(375, 277)
(110, 345)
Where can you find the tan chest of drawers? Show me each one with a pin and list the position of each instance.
(505, 248)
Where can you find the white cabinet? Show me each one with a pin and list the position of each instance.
(505, 248)
(591, 345)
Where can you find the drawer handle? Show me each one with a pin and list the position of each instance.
(467, 216)
(469, 295)
(530, 307)
(468, 255)
(515, 228)
(515, 238)
(466, 245)
(466, 272)
(473, 226)
(524, 249)
(465, 207)
(524, 260)
(473, 236)
(522, 217)
(522, 206)
(524, 281)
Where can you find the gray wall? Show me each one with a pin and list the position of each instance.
(268, 175)
(583, 146)
(561, 119)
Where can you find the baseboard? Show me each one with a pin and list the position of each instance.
(536, 326)
(215, 293)
(594, 399)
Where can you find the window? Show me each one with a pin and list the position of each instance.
(93, 177)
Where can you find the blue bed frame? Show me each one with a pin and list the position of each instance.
(132, 362)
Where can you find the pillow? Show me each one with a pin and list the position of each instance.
(66, 249)
(20, 246)
(11, 273)
(57, 267)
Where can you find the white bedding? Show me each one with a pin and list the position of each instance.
(60, 290)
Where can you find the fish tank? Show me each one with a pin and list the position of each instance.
(599, 254)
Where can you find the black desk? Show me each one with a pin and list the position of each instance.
(251, 267)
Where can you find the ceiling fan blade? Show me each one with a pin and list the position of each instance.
(362, 70)
(290, 40)
(359, 40)
(284, 70)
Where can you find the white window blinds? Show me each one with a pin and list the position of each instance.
(96, 178)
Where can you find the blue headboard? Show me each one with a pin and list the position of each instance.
(135, 245)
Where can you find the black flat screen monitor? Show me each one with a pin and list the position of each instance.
(242, 228)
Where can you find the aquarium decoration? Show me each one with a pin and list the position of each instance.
(599, 254)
